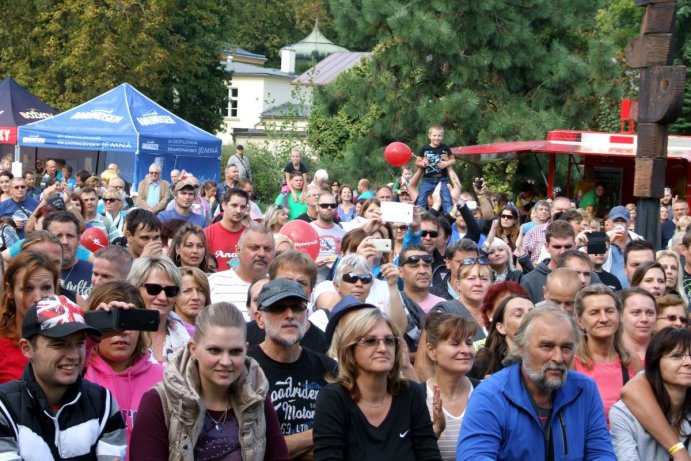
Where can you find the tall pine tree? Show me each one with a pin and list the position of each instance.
(487, 71)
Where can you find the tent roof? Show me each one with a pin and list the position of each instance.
(19, 107)
(315, 45)
(121, 120)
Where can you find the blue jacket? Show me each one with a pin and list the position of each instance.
(500, 422)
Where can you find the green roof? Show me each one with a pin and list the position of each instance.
(315, 45)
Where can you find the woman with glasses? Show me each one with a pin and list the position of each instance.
(508, 226)
(670, 311)
(506, 319)
(159, 281)
(346, 209)
(651, 277)
(450, 353)
(369, 410)
(214, 403)
(668, 373)
(114, 213)
(276, 217)
(674, 275)
(188, 247)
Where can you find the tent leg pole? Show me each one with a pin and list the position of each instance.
(98, 158)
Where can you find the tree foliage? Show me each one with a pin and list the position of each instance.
(487, 71)
(69, 51)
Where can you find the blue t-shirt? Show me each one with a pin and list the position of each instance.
(193, 218)
(18, 211)
(78, 278)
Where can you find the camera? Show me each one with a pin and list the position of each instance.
(478, 183)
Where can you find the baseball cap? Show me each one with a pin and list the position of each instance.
(619, 212)
(55, 317)
(345, 305)
(181, 184)
(277, 290)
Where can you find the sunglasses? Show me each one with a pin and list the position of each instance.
(366, 279)
(507, 216)
(324, 206)
(111, 200)
(673, 318)
(154, 172)
(469, 261)
(433, 234)
(18, 187)
(402, 227)
(373, 341)
(279, 308)
(414, 259)
(154, 289)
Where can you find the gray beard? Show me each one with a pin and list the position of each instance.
(275, 335)
(539, 377)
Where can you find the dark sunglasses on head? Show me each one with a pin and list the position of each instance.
(673, 318)
(468, 261)
(353, 278)
(433, 234)
(324, 206)
(154, 289)
(111, 200)
(414, 259)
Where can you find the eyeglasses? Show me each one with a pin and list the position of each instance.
(507, 216)
(154, 172)
(373, 341)
(111, 200)
(280, 308)
(414, 259)
(677, 356)
(154, 289)
(366, 279)
(18, 187)
(324, 206)
(469, 261)
(673, 318)
(402, 227)
(433, 234)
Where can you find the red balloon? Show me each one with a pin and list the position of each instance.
(304, 237)
(397, 153)
(94, 239)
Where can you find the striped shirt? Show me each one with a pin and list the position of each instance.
(227, 286)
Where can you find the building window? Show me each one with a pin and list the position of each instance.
(233, 102)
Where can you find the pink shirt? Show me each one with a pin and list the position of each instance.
(609, 380)
(429, 302)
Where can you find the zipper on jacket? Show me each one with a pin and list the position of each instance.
(563, 433)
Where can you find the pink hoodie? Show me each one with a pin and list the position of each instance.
(127, 386)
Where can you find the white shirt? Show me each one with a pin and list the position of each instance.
(227, 286)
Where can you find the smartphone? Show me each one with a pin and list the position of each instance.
(123, 319)
(383, 245)
(596, 243)
(57, 202)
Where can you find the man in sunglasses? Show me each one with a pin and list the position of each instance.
(311, 195)
(330, 233)
(19, 207)
(295, 374)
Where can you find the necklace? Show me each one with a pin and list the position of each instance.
(218, 423)
(374, 405)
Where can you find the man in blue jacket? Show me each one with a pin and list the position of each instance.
(537, 408)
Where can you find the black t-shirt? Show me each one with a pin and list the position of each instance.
(293, 387)
(290, 168)
(434, 156)
(314, 339)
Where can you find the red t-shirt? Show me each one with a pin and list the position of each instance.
(223, 244)
(12, 361)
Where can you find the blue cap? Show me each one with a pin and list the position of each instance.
(619, 212)
(345, 305)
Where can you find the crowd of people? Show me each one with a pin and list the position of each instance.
(488, 327)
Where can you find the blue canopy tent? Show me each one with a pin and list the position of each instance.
(132, 131)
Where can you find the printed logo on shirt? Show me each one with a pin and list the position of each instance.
(294, 403)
